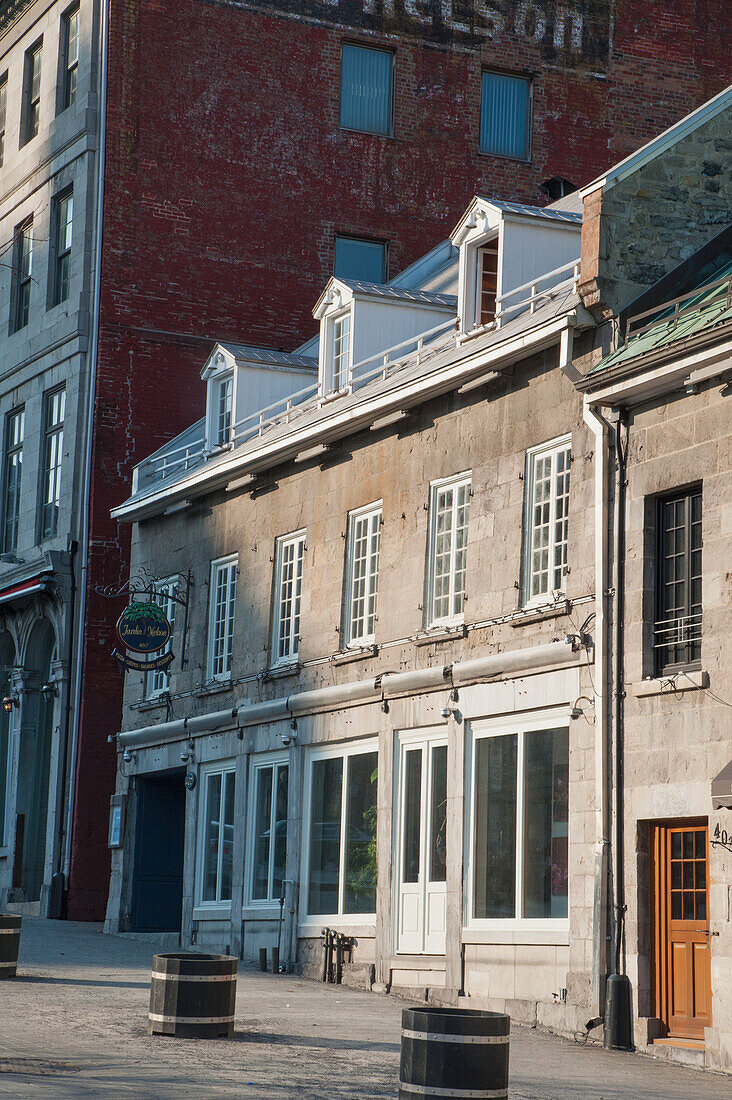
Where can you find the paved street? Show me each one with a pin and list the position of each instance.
(73, 1025)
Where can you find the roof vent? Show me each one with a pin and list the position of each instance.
(557, 187)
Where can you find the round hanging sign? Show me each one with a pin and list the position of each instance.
(143, 627)
(190, 780)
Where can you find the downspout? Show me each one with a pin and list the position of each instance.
(619, 694)
(599, 427)
(89, 423)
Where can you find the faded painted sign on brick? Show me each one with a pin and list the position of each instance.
(573, 31)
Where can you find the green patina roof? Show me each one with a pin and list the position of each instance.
(709, 306)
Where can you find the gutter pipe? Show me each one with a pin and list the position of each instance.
(86, 483)
(600, 428)
(387, 685)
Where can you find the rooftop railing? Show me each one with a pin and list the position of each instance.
(189, 450)
(714, 295)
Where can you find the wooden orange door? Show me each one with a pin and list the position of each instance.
(682, 956)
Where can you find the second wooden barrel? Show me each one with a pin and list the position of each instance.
(455, 1052)
(9, 944)
(193, 995)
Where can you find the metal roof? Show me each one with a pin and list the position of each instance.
(701, 308)
(384, 290)
(245, 353)
(550, 213)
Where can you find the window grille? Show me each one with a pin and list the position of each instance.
(70, 46)
(64, 214)
(678, 626)
(288, 592)
(53, 444)
(366, 89)
(547, 520)
(450, 506)
(32, 92)
(222, 613)
(504, 115)
(3, 114)
(14, 436)
(225, 394)
(158, 680)
(22, 275)
(364, 538)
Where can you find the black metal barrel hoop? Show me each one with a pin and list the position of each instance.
(454, 1052)
(9, 944)
(193, 996)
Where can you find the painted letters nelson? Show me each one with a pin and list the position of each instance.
(573, 31)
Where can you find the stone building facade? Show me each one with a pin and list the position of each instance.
(181, 235)
(390, 712)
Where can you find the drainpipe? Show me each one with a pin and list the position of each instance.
(618, 1016)
(600, 428)
(89, 423)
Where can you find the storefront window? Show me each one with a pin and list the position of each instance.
(269, 848)
(217, 837)
(521, 815)
(342, 833)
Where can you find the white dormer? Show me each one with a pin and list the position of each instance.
(360, 323)
(242, 382)
(505, 245)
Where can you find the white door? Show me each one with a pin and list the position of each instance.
(421, 839)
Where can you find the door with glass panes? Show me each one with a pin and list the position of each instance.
(421, 839)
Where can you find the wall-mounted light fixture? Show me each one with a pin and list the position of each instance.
(10, 701)
(49, 690)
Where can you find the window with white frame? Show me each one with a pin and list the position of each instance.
(22, 276)
(157, 681)
(222, 608)
(362, 574)
(51, 462)
(222, 410)
(289, 557)
(63, 217)
(31, 109)
(268, 795)
(340, 838)
(547, 519)
(448, 546)
(341, 351)
(215, 835)
(519, 836)
(3, 114)
(69, 57)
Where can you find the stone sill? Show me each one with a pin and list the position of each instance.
(280, 672)
(149, 704)
(441, 634)
(539, 614)
(672, 684)
(348, 656)
(217, 688)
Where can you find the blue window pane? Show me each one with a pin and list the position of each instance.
(366, 93)
(364, 260)
(504, 116)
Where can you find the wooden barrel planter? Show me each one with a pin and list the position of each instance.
(193, 996)
(455, 1052)
(9, 944)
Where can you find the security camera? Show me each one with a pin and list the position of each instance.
(127, 756)
(185, 757)
(446, 711)
(289, 737)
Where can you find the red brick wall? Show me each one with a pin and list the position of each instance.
(227, 177)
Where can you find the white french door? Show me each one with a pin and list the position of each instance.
(421, 844)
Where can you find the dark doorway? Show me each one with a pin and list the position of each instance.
(157, 892)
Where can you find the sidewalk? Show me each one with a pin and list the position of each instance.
(73, 1026)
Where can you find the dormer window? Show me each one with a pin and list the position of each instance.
(223, 393)
(487, 282)
(341, 348)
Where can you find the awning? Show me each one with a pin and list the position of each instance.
(722, 789)
(26, 588)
